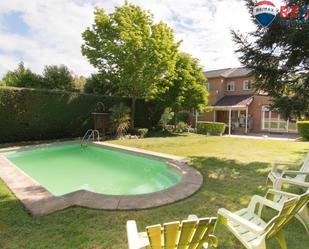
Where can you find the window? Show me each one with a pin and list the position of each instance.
(207, 86)
(247, 85)
(272, 121)
(231, 86)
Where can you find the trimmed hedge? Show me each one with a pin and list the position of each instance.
(211, 127)
(36, 114)
(303, 129)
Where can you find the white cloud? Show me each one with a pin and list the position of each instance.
(55, 29)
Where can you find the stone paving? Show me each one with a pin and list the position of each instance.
(39, 201)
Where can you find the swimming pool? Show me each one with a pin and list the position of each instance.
(50, 177)
(63, 169)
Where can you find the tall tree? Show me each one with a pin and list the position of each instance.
(187, 91)
(279, 58)
(97, 84)
(58, 77)
(131, 51)
(22, 77)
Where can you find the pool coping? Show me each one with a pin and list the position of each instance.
(39, 201)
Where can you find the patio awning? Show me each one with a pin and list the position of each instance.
(235, 102)
(232, 103)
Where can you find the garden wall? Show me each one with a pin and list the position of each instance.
(35, 114)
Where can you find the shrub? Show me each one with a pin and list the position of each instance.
(211, 127)
(120, 119)
(35, 114)
(142, 132)
(181, 126)
(183, 116)
(303, 129)
(166, 117)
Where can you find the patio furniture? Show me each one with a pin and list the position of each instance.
(280, 197)
(192, 233)
(251, 230)
(300, 175)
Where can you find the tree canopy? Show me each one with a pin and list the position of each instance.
(187, 91)
(279, 59)
(131, 52)
(53, 77)
(58, 77)
(97, 84)
(22, 77)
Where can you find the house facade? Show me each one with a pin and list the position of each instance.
(234, 101)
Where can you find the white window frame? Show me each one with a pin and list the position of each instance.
(245, 85)
(207, 86)
(278, 121)
(230, 83)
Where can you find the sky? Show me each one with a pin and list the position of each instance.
(48, 32)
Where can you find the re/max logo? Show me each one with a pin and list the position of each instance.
(294, 11)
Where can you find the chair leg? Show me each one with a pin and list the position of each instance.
(281, 240)
(303, 217)
(262, 245)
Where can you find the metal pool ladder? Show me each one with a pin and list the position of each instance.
(90, 134)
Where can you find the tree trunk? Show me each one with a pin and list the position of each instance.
(133, 112)
(175, 120)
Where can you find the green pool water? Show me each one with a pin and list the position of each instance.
(62, 169)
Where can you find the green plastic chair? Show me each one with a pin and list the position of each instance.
(251, 230)
(192, 233)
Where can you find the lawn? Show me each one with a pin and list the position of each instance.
(233, 168)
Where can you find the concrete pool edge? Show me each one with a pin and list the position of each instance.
(40, 201)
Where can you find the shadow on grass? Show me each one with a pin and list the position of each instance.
(230, 184)
(301, 153)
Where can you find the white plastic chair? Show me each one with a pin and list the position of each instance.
(275, 176)
(251, 230)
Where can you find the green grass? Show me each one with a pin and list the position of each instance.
(234, 169)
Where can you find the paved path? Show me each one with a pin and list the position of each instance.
(286, 137)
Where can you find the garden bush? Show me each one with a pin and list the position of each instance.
(141, 132)
(211, 127)
(36, 114)
(120, 119)
(166, 117)
(183, 116)
(181, 126)
(303, 129)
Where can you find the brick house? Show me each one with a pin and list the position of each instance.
(235, 102)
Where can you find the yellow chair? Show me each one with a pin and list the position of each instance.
(193, 233)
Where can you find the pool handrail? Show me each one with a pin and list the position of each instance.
(88, 135)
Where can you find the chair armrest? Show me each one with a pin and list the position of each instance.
(294, 172)
(256, 199)
(229, 216)
(132, 234)
(281, 181)
(278, 192)
(275, 165)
